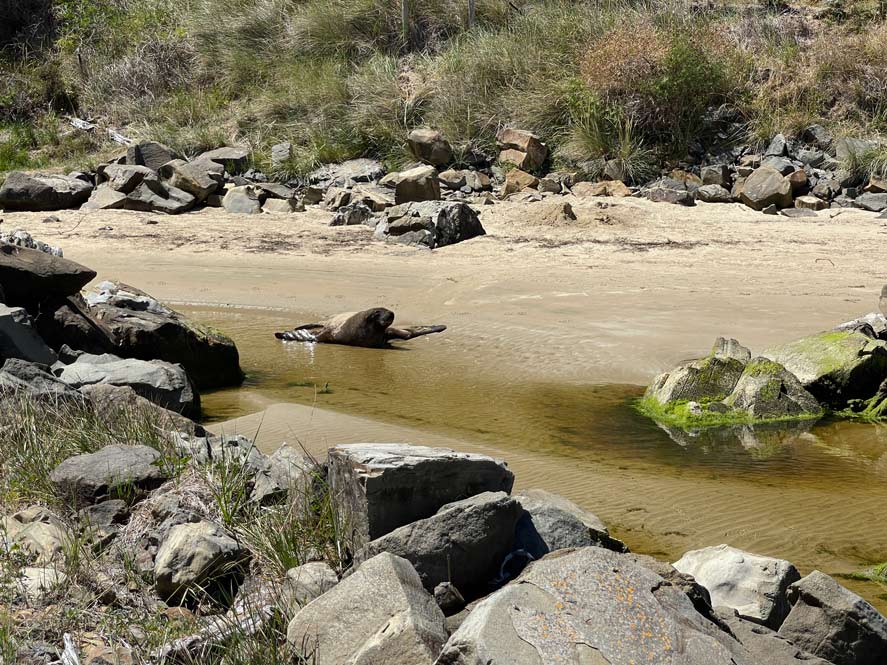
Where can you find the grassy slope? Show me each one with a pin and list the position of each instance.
(635, 82)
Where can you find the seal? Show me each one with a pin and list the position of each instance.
(370, 328)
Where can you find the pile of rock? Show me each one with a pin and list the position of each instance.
(449, 567)
(843, 371)
(56, 343)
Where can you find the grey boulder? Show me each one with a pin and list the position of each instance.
(551, 522)
(416, 184)
(309, 581)
(286, 474)
(29, 276)
(589, 605)
(150, 154)
(429, 146)
(714, 194)
(233, 159)
(755, 586)
(123, 178)
(108, 473)
(22, 377)
(24, 191)
(379, 487)
(765, 645)
(765, 187)
(834, 623)
(199, 178)
(430, 224)
(243, 200)
(871, 202)
(18, 339)
(154, 196)
(117, 403)
(379, 614)
(160, 382)
(766, 390)
(464, 543)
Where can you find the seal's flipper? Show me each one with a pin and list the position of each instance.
(414, 331)
(300, 333)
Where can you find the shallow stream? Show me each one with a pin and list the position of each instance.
(811, 495)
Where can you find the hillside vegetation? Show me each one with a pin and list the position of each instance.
(647, 83)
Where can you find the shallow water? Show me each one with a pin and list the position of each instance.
(811, 494)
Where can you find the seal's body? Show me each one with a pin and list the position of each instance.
(370, 328)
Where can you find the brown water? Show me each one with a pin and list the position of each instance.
(811, 495)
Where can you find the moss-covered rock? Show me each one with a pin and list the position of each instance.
(767, 390)
(836, 367)
(704, 380)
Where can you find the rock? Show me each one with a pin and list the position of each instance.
(124, 178)
(354, 214)
(379, 487)
(716, 174)
(714, 194)
(21, 376)
(818, 136)
(526, 143)
(104, 197)
(711, 377)
(281, 153)
(798, 181)
(812, 158)
(285, 472)
(783, 165)
(452, 179)
(243, 200)
(274, 190)
(196, 559)
(199, 178)
(826, 189)
(834, 623)
(755, 586)
(21, 238)
(309, 581)
(337, 197)
(551, 522)
(847, 147)
(810, 203)
(765, 645)
(18, 339)
(109, 473)
(150, 154)
(516, 181)
(605, 188)
(767, 390)
(35, 583)
(380, 614)
(106, 513)
(347, 173)
(589, 605)
(38, 533)
(416, 184)
(160, 382)
(668, 190)
(235, 160)
(116, 403)
(430, 224)
(797, 212)
(283, 206)
(429, 146)
(697, 593)
(778, 147)
(871, 202)
(143, 328)
(876, 185)
(29, 276)
(464, 543)
(836, 366)
(23, 191)
(100, 654)
(448, 599)
(765, 187)
(152, 196)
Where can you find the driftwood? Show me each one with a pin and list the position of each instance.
(69, 655)
(117, 137)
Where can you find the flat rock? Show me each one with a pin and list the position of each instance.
(28, 276)
(161, 382)
(379, 614)
(234, 159)
(382, 486)
(108, 472)
(464, 543)
(833, 623)
(23, 191)
(589, 605)
(755, 586)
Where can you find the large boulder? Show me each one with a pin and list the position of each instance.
(517, 180)
(755, 586)
(110, 473)
(767, 390)
(309, 581)
(18, 339)
(765, 187)
(233, 159)
(38, 532)
(589, 605)
(380, 614)
(521, 148)
(118, 403)
(551, 522)
(29, 276)
(429, 146)
(23, 191)
(150, 154)
(199, 178)
(105, 197)
(464, 543)
(141, 327)
(66, 322)
(431, 224)
(154, 196)
(714, 376)
(836, 366)
(123, 178)
(416, 184)
(243, 200)
(381, 486)
(286, 474)
(765, 646)
(198, 559)
(160, 382)
(834, 623)
(22, 377)
(347, 173)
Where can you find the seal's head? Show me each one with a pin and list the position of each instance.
(380, 316)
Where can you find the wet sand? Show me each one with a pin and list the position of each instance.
(612, 298)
